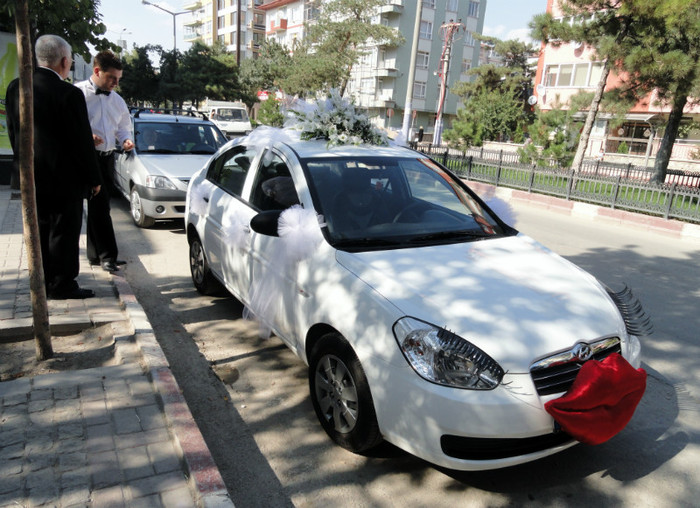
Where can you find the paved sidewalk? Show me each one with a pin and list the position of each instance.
(119, 435)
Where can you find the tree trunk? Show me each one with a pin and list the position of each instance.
(40, 309)
(666, 147)
(590, 118)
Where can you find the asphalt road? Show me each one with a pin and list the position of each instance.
(250, 396)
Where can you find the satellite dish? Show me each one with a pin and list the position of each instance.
(532, 100)
(541, 89)
(577, 44)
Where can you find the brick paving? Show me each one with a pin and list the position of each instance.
(119, 435)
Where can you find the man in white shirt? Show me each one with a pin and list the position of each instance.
(111, 125)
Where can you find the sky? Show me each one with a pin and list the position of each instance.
(143, 24)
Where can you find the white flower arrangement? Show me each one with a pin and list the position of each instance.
(336, 120)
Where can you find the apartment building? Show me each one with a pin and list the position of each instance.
(238, 24)
(565, 70)
(379, 81)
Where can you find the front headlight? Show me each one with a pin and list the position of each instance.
(445, 358)
(159, 182)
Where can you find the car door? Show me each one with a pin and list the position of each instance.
(273, 286)
(228, 217)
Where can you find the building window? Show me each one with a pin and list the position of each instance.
(452, 5)
(430, 4)
(473, 9)
(367, 85)
(426, 30)
(221, 4)
(419, 88)
(422, 60)
(221, 22)
(579, 75)
(469, 39)
(466, 65)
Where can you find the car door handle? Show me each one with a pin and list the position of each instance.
(206, 198)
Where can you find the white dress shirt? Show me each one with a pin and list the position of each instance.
(109, 116)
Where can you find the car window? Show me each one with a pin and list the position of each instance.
(180, 137)
(273, 188)
(230, 169)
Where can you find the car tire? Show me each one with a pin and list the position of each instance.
(202, 278)
(341, 396)
(140, 219)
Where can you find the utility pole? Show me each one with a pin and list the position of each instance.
(408, 108)
(449, 31)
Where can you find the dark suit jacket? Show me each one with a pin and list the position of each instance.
(65, 163)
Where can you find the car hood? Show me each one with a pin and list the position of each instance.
(511, 297)
(177, 166)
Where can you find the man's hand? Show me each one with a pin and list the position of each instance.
(128, 145)
(96, 190)
(97, 139)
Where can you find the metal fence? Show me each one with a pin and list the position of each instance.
(621, 186)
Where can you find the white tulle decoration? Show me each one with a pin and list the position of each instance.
(300, 235)
(198, 193)
(501, 208)
(236, 231)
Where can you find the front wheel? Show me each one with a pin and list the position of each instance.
(140, 218)
(340, 395)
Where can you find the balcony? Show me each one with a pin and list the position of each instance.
(192, 23)
(278, 25)
(254, 4)
(392, 7)
(253, 45)
(386, 72)
(381, 102)
(193, 6)
(256, 27)
(192, 36)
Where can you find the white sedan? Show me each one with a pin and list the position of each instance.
(425, 320)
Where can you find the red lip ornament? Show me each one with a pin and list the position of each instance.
(601, 400)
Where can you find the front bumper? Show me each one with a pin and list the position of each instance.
(466, 429)
(162, 203)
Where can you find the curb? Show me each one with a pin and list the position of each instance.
(670, 227)
(205, 477)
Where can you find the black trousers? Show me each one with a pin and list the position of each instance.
(59, 236)
(101, 242)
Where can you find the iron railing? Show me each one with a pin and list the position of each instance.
(621, 186)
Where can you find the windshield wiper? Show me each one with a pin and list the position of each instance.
(450, 235)
(159, 150)
(365, 242)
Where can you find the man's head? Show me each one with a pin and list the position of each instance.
(106, 70)
(55, 53)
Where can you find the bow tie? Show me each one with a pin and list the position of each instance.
(99, 91)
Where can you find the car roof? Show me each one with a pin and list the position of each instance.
(169, 118)
(318, 149)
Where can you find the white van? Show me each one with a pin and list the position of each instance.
(230, 117)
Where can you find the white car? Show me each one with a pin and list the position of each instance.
(154, 176)
(424, 319)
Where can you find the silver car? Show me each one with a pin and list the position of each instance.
(154, 176)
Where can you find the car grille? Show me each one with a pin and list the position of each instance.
(556, 373)
(467, 448)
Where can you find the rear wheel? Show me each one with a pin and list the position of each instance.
(140, 218)
(202, 277)
(340, 395)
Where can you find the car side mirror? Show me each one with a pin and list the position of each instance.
(265, 223)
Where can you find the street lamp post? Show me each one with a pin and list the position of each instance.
(173, 14)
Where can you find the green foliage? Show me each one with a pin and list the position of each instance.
(554, 138)
(139, 82)
(495, 106)
(270, 114)
(77, 21)
(268, 71)
(623, 147)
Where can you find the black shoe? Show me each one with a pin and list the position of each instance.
(94, 262)
(120, 262)
(74, 294)
(109, 266)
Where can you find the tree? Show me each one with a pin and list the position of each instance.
(553, 138)
(77, 21)
(270, 114)
(336, 40)
(268, 71)
(664, 55)
(605, 32)
(495, 101)
(139, 82)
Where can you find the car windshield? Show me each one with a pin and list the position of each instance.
(180, 138)
(233, 115)
(400, 202)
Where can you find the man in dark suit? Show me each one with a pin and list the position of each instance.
(65, 166)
